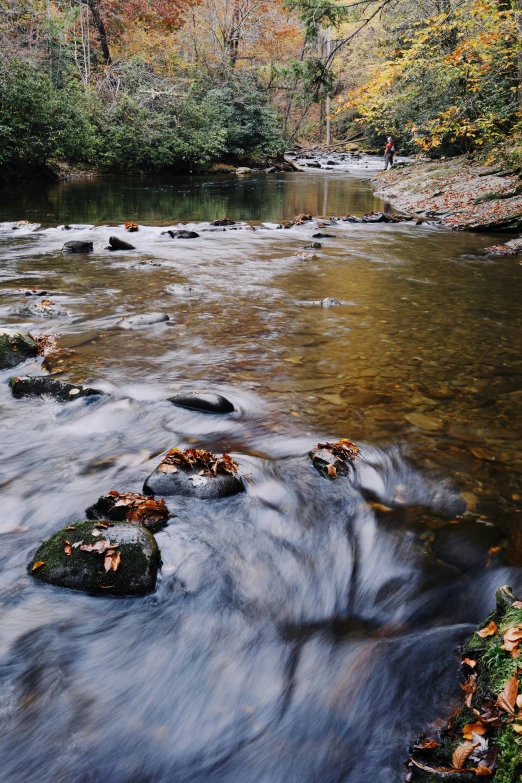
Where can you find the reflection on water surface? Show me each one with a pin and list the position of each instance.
(298, 632)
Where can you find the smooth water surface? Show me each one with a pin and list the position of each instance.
(300, 631)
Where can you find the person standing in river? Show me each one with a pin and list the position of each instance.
(389, 152)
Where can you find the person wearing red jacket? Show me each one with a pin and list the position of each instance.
(389, 152)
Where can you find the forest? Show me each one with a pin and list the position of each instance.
(150, 85)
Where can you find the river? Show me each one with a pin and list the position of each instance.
(301, 631)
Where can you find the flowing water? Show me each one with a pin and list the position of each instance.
(299, 631)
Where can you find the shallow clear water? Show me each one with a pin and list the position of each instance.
(299, 631)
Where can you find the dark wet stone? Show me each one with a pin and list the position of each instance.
(205, 402)
(77, 246)
(323, 458)
(319, 235)
(135, 575)
(465, 544)
(15, 347)
(144, 319)
(313, 164)
(43, 386)
(182, 234)
(119, 244)
(330, 162)
(32, 292)
(352, 219)
(189, 483)
(223, 222)
(106, 508)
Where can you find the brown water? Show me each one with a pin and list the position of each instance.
(298, 632)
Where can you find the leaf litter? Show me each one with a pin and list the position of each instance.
(198, 459)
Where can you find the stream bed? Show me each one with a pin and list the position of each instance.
(307, 629)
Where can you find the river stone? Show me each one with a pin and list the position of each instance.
(465, 544)
(136, 574)
(106, 508)
(144, 319)
(182, 234)
(43, 386)
(323, 458)
(205, 402)
(329, 301)
(424, 422)
(319, 235)
(179, 288)
(42, 310)
(119, 244)
(15, 347)
(243, 170)
(189, 483)
(77, 246)
(223, 222)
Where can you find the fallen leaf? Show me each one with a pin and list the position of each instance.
(490, 629)
(70, 527)
(100, 546)
(426, 744)
(67, 547)
(332, 471)
(507, 699)
(168, 468)
(429, 769)
(512, 639)
(483, 454)
(112, 560)
(517, 604)
(38, 564)
(519, 702)
(470, 688)
(462, 753)
(77, 544)
(470, 728)
(517, 727)
(470, 662)
(481, 770)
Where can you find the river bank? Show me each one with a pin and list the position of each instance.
(460, 193)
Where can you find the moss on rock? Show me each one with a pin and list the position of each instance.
(15, 347)
(84, 570)
(487, 670)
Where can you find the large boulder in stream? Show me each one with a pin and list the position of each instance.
(99, 557)
(195, 473)
(43, 386)
(130, 507)
(143, 319)
(465, 544)
(77, 246)
(15, 347)
(119, 244)
(205, 402)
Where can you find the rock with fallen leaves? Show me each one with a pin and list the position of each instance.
(480, 739)
(131, 226)
(99, 558)
(223, 222)
(130, 507)
(15, 347)
(43, 386)
(195, 473)
(333, 460)
(205, 402)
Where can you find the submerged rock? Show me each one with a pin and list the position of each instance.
(130, 507)
(196, 473)
(119, 244)
(465, 544)
(15, 347)
(182, 234)
(144, 319)
(329, 301)
(179, 288)
(205, 402)
(319, 235)
(43, 386)
(77, 246)
(122, 559)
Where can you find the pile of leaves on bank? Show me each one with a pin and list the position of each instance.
(483, 737)
(201, 460)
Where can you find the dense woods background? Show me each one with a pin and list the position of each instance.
(145, 85)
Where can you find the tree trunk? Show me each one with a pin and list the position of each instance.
(102, 35)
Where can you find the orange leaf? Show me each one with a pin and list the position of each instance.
(38, 564)
(482, 770)
(462, 753)
(426, 744)
(470, 662)
(332, 471)
(507, 699)
(469, 728)
(517, 727)
(490, 629)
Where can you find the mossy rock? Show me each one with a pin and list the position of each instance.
(81, 570)
(15, 347)
(43, 386)
(190, 483)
